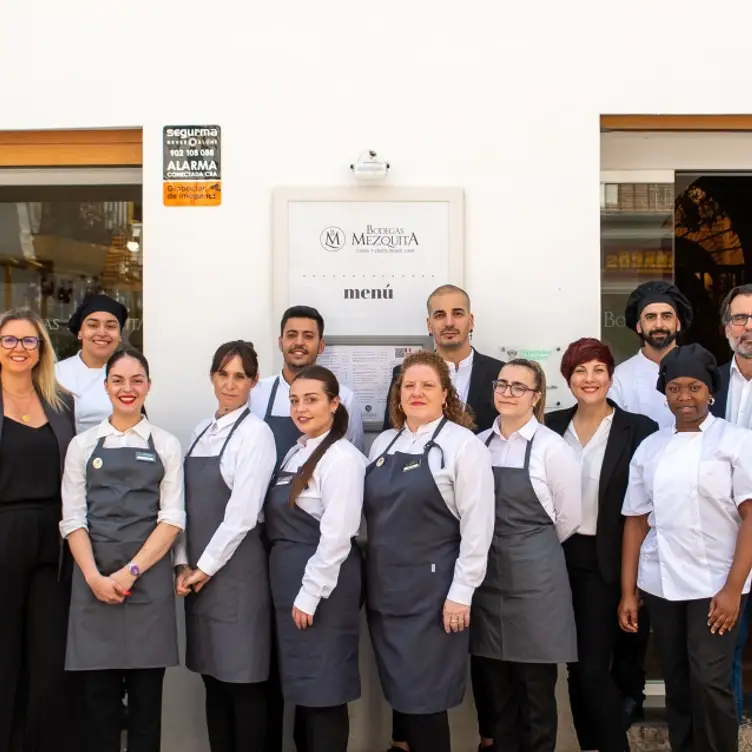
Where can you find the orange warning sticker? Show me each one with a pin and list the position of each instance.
(193, 193)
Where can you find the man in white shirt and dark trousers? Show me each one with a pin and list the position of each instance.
(734, 403)
(656, 311)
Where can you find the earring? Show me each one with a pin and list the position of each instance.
(711, 401)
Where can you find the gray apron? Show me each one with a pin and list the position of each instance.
(318, 666)
(122, 497)
(228, 622)
(283, 427)
(411, 551)
(522, 612)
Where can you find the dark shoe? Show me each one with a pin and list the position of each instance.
(633, 711)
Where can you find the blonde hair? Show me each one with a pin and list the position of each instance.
(454, 410)
(43, 373)
(539, 380)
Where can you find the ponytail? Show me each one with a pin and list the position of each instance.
(336, 432)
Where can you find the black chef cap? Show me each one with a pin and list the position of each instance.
(94, 304)
(689, 361)
(657, 291)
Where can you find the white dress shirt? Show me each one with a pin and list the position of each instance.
(739, 403)
(460, 375)
(262, 392)
(690, 484)
(634, 390)
(334, 497)
(467, 486)
(171, 496)
(591, 458)
(554, 469)
(87, 386)
(246, 467)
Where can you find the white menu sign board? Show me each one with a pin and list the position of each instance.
(367, 370)
(367, 264)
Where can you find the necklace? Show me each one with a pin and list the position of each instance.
(25, 417)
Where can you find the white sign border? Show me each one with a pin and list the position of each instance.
(284, 196)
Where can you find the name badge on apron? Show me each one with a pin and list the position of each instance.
(97, 463)
(284, 481)
(414, 465)
(145, 457)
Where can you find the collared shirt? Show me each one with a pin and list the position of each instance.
(334, 497)
(467, 487)
(739, 401)
(87, 386)
(246, 467)
(460, 375)
(262, 392)
(171, 496)
(591, 458)
(555, 472)
(690, 484)
(634, 390)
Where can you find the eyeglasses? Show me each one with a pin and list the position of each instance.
(516, 389)
(28, 343)
(740, 319)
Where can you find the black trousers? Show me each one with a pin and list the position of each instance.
(628, 667)
(523, 697)
(593, 695)
(104, 708)
(235, 715)
(423, 733)
(40, 705)
(322, 729)
(696, 664)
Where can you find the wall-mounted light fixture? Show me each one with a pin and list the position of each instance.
(369, 167)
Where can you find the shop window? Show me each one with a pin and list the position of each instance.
(637, 245)
(59, 243)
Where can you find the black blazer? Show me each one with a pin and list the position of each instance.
(627, 432)
(718, 408)
(479, 395)
(63, 424)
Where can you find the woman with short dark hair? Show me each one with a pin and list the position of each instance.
(604, 437)
(221, 561)
(688, 548)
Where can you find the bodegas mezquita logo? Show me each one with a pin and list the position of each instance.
(372, 239)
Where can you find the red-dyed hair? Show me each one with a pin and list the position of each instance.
(583, 351)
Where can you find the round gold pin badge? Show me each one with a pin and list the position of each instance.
(379, 462)
(97, 463)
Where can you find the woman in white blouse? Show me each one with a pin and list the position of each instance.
(221, 561)
(313, 513)
(688, 548)
(523, 622)
(123, 508)
(429, 509)
(604, 437)
(98, 325)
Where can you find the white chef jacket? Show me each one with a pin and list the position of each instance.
(171, 496)
(690, 484)
(739, 400)
(467, 486)
(634, 390)
(262, 392)
(246, 467)
(460, 375)
(87, 386)
(334, 497)
(591, 458)
(555, 472)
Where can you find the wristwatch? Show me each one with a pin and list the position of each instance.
(134, 570)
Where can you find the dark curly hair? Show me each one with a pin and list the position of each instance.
(454, 410)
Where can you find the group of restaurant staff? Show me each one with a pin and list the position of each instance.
(493, 529)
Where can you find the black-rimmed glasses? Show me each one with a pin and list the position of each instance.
(500, 386)
(10, 342)
(740, 319)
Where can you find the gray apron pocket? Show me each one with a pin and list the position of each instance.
(408, 589)
(217, 600)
